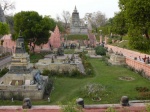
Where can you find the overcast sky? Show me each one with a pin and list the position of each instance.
(56, 7)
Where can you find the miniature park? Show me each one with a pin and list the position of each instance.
(77, 69)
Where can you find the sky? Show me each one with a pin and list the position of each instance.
(56, 7)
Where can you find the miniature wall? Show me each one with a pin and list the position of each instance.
(25, 91)
(139, 65)
(130, 55)
(56, 67)
(126, 52)
(33, 94)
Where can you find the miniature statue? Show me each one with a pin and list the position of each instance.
(26, 103)
(72, 57)
(52, 61)
(60, 51)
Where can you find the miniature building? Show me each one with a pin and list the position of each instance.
(21, 77)
(77, 26)
(55, 40)
(116, 59)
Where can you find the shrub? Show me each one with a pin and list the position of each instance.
(48, 87)
(53, 73)
(142, 89)
(87, 65)
(71, 107)
(3, 71)
(148, 108)
(100, 50)
(65, 73)
(92, 90)
(139, 43)
(46, 72)
(110, 109)
(144, 95)
(109, 41)
(75, 73)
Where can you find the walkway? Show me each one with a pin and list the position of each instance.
(135, 107)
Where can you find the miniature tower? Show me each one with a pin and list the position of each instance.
(20, 60)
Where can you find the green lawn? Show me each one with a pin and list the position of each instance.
(68, 51)
(67, 89)
(77, 37)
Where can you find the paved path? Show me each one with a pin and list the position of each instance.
(136, 107)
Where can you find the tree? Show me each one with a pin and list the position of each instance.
(34, 28)
(4, 29)
(119, 24)
(137, 14)
(107, 28)
(63, 21)
(137, 41)
(66, 18)
(60, 24)
(96, 19)
(10, 22)
(7, 5)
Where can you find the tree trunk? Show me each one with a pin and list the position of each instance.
(33, 47)
(146, 34)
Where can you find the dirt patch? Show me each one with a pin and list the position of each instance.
(126, 78)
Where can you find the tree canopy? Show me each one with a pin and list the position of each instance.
(137, 14)
(34, 28)
(4, 28)
(119, 24)
(96, 19)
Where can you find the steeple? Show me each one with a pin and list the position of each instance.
(75, 9)
(2, 17)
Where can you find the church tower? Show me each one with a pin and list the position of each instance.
(2, 16)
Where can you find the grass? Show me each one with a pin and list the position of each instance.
(67, 89)
(34, 57)
(77, 37)
(68, 51)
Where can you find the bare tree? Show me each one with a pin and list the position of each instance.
(58, 19)
(66, 18)
(7, 5)
(96, 19)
